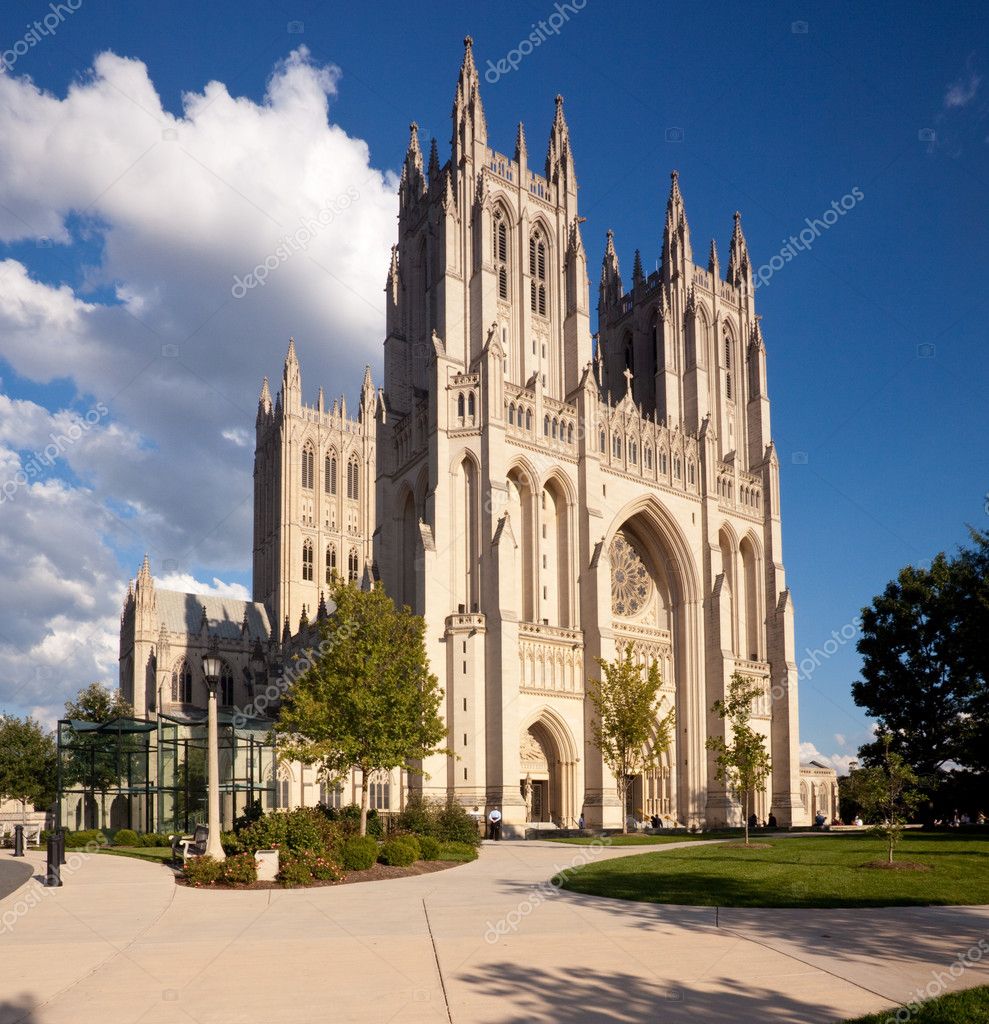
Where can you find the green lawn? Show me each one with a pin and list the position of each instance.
(642, 840)
(968, 1007)
(800, 872)
(159, 854)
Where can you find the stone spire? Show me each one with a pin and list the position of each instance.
(367, 396)
(413, 184)
(521, 153)
(713, 266)
(677, 254)
(611, 289)
(291, 379)
(469, 125)
(264, 399)
(559, 159)
(637, 276)
(434, 162)
(739, 268)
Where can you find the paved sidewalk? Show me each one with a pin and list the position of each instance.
(486, 942)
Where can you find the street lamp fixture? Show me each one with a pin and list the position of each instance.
(212, 665)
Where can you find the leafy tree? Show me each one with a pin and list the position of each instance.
(28, 762)
(887, 794)
(625, 729)
(925, 664)
(98, 704)
(369, 701)
(94, 760)
(743, 763)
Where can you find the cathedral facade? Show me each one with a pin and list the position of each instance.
(543, 497)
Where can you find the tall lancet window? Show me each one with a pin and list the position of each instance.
(537, 272)
(499, 242)
(330, 474)
(308, 467)
(307, 573)
(728, 368)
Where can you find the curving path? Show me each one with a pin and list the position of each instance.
(485, 942)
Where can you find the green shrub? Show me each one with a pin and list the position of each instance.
(77, 840)
(413, 841)
(455, 825)
(429, 848)
(153, 839)
(325, 869)
(294, 869)
(358, 853)
(200, 871)
(349, 818)
(399, 853)
(124, 837)
(305, 867)
(231, 844)
(462, 853)
(418, 815)
(239, 869)
(305, 828)
(252, 812)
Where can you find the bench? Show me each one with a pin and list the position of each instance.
(190, 846)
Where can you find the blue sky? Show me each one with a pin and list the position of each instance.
(877, 350)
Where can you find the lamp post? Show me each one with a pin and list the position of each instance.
(211, 669)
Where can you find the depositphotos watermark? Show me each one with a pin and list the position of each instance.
(37, 31)
(808, 236)
(838, 639)
(298, 241)
(38, 462)
(541, 31)
(940, 981)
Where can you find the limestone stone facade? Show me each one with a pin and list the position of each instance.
(542, 496)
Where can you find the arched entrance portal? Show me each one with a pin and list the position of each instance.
(548, 775)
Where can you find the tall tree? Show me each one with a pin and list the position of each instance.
(96, 703)
(369, 701)
(742, 761)
(626, 728)
(887, 794)
(925, 666)
(27, 762)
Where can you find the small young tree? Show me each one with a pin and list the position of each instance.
(744, 763)
(887, 794)
(369, 700)
(27, 762)
(626, 730)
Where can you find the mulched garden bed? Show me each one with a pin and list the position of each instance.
(374, 874)
(897, 865)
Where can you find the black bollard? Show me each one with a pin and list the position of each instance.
(18, 840)
(53, 874)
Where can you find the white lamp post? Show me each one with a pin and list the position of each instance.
(211, 669)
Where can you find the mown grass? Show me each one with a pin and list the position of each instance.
(159, 854)
(642, 840)
(968, 1007)
(799, 872)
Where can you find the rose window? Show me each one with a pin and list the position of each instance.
(631, 586)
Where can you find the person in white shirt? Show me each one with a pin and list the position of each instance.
(494, 824)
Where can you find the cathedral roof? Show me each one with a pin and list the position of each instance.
(183, 613)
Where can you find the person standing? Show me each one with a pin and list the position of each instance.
(494, 824)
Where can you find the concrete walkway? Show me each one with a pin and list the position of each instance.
(120, 943)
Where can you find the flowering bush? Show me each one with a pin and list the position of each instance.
(200, 871)
(305, 828)
(305, 867)
(240, 869)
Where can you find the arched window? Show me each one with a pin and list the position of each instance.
(662, 462)
(353, 479)
(616, 446)
(470, 403)
(460, 405)
(556, 427)
(499, 239)
(226, 693)
(676, 468)
(528, 419)
(690, 472)
(546, 426)
(331, 563)
(307, 573)
(728, 368)
(647, 457)
(537, 272)
(632, 452)
(602, 441)
(330, 474)
(569, 433)
(353, 566)
(182, 683)
(308, 467)
(511, 415)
